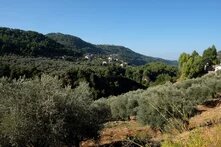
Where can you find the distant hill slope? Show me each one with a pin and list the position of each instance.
(75, 43)
(29, 43)
(132, 57)
(124, 53)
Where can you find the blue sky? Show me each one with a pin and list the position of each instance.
(160, 28)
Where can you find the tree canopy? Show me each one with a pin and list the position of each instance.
(192, 66)
(29, 43)
(210, 55)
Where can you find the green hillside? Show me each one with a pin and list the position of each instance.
(54, 45)
(132, 57)
(75, 43)
(121, 52)
(29, 43)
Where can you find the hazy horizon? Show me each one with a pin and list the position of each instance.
(155, 28)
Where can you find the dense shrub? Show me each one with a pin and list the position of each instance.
(158, 105)
(125, 105)
(40, 112)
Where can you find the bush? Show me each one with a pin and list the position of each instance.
(40, 112)
(158, 105)
(125, 105)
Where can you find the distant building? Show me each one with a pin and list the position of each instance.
(89, 56)
(110, 59)
(104, 63)
(66, 57)
(123, 64)
(209, 68)
(217, 67)
(63, 57)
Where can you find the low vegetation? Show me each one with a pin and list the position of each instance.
(204, 130)
(198, 138)
(40, 112)
(160, 105)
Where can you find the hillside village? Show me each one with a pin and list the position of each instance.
(105, 60)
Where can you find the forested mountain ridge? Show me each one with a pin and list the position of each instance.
(131, 56)
(121, 52)
(30, 43)
(75, 43)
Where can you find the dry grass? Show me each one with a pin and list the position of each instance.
(209, 117)
(201, 137)
(120, 131)
(204, 130)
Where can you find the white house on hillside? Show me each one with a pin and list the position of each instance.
(217, 67)
(89, 56)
